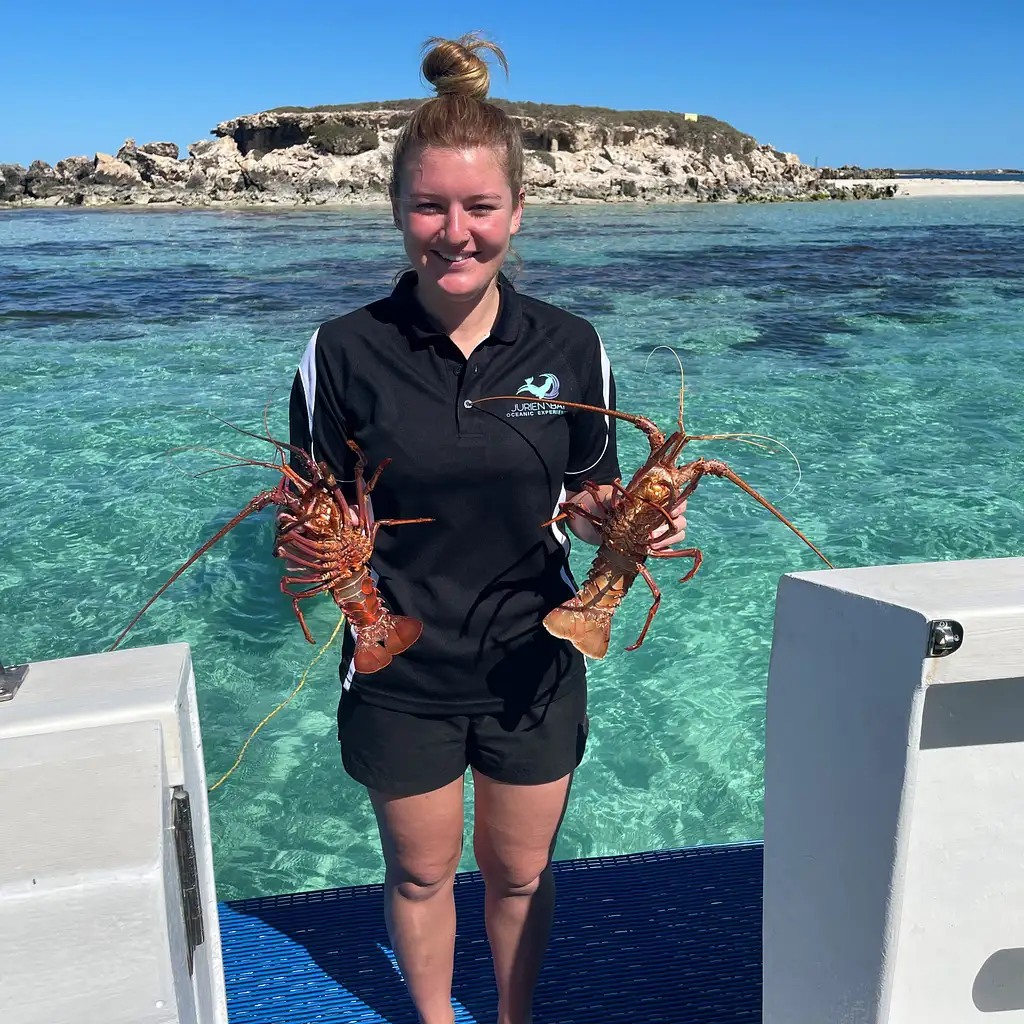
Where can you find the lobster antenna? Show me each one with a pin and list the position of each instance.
(281, 446)
(668, 348)
(236, 460)
(649, 427)
(719, 437)
(266, 415)
(744, 438)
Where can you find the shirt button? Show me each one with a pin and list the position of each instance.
(467, 404)
(456, 370)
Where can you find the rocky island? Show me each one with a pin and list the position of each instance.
(341, 154)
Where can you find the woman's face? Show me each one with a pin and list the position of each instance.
(457, 215)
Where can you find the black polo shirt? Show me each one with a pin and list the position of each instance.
(484, 573)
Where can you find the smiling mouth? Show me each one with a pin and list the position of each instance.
(458, 258)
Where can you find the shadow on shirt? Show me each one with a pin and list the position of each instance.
(534, 667)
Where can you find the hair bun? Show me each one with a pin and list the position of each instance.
(454, 67)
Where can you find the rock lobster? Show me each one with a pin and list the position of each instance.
(634, 511)
(327, 544)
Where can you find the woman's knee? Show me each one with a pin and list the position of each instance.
(421, 838)
(419, 879)
(522, 876)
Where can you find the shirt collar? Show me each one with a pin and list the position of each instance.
(420, 327)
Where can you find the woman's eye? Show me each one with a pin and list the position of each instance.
(478, 208)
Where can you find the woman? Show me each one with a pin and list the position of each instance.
(485, 686)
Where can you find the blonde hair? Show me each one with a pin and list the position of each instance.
(459, 116)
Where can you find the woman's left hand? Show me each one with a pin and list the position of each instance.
(665, 536)
(662, 537)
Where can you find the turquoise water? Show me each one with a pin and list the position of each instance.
(882, 341)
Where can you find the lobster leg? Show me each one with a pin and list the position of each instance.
(361, 492)
(693, 553)
(294, 559)
(365, 517)
(294, 525)
(617, 486)
(298, 614)
(595, 492)
(654, 607)
(571, 510)
(346, 509)
(376, 475)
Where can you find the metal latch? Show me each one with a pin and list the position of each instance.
(188, 874)
(944, 637)
(10, 679)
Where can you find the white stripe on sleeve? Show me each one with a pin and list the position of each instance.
(307, 373)
(606, 386)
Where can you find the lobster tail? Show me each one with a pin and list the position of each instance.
(370, 656)
(390, 635)
(587, 629)
(403, 632)
(379, 633)
(585, 620)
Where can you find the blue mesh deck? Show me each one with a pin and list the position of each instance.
(671, 937)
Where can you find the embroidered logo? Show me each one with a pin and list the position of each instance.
(547, 388)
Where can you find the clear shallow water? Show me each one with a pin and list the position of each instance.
(882, 341)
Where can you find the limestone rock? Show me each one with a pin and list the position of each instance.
(329, 155)
(215, 166)
(161, 170)
(108, 170)
(339, 133)
(74, 169)
(42, 181)
(164, 149)
(343, 140)
(153, 163)
(128, 151)
(537, 171)
(12, 182)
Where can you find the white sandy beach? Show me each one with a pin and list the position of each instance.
(915, 188)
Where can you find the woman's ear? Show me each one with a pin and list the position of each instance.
(517, 213)
(395, 207)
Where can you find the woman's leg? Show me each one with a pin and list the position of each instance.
(514, 838)
(421, 837)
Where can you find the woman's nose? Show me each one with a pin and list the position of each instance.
(456, 225)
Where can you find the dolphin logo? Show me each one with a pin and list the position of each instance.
(548, 388)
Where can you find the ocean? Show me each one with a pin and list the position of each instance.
(883, 342)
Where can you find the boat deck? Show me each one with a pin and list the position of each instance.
(671, 937)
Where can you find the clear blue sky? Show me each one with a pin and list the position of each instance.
(902, 83)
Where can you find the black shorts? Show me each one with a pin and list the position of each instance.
(401, 753)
